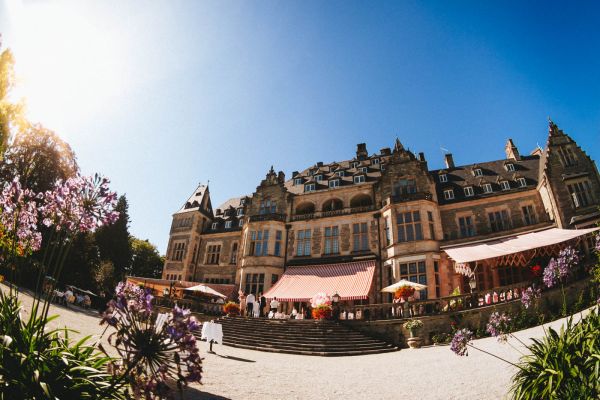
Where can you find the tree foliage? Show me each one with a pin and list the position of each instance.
(11, 113)
(146, 260)
(113, 241)
(39, 157)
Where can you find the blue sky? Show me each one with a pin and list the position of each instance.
(163, 95)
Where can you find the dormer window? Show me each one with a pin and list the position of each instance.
(375, 161)
(477, 172)
(382, 167)
(487, 188)
(240, 211)
(309, 187)
(334, 183)
(359, 179)
(355, 164)
(242, 202)
(469, 191)
(241, 223)
(522, 182)
(297, 181)
(318, 178)
(341, 173)
(449, 194)
(443, 178)
(505, 185)
(364, 170)
(510, 167)
(227, 224)
(214, 226)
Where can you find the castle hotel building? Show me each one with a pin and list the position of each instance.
(358, 225)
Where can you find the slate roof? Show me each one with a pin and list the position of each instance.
(195, 200)
(493, 172)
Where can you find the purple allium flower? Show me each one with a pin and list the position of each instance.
(529, 295)
(499, 326)
(460, 341)
(19, 216)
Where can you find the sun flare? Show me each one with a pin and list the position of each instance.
(68, 67)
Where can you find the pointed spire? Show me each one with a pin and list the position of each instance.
(398, 146)
(552, 128)
(271, 171)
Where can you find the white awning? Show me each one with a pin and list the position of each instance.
(206, 290)
(513, 244)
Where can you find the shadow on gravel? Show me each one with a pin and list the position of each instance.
(236, 358)
(195, 394)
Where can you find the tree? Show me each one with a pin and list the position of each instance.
(11, 113)
(105, 278)
(113, 241)
(39, 157)
(82, 261)
(146, 261)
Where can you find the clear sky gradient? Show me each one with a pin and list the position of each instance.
(160, 96)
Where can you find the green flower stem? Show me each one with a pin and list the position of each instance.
(493, 355)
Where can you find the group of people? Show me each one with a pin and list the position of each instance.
(69, 297)
(256, 306)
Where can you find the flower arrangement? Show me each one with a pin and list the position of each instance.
(230, 308)
(321, 306)
(404, 292)
(413, 324)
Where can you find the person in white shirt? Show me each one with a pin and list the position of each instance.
(68, 295)
(250, 304)
(274, 305)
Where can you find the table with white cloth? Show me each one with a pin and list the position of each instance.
(212, 332)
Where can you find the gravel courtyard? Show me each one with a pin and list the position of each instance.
(427, 373)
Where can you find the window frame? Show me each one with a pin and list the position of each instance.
(448, 194)
(357, 179)
(469, 191)
(443, 178)
(505, 185)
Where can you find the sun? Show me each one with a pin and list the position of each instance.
(68, 67)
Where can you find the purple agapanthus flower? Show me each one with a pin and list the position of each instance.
(559, 269)
(529, 295)
(19, 216)
(499, 326)
(460, 341)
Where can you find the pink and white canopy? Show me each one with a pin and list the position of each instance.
(351, 281)
(513, 244)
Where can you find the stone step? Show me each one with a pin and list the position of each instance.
(312, 353)
(300, 342)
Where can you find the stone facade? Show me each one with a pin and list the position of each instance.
(387, 206)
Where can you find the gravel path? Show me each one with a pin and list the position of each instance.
(427, 373)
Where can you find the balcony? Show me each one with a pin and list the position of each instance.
(404, 197)
(333, 213)
(268, 217)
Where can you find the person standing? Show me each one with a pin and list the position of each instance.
(263, 305)
(250, 305)
(274, 305)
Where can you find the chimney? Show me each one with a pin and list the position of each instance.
(422, 156)
(386, 151)
(294, 173)
(449, 160)
(511, 150)
(361, 151)
(319, 163)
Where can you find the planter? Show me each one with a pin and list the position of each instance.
(413, 333)
(414, 342)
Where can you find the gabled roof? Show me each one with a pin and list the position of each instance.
(194, 203)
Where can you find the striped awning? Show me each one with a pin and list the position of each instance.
(351, 281)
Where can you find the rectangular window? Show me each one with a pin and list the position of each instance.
(213, 254)
(303, 243)
(364, 169)
(567, 156)
(387, 227)
(359, 179)
(341, 173)
(360, 237)
(505, 185)
(487, 188)
(375, 161)
(415, 272)
(431, 228)
(318, 178)
(443, 178)
(255, 284)
(510, 167)
(409, 226)
(469, 191)
(241, 223)
(298, 181)
(581, 194)
(334, 183)
(528, 215)
(404, 187)
(234, 250)
(214, 226)
(449, 194)
(227, 224)
(240, 212)
(332, 244)
(259, 243)
(179, 251)
(466, 227)
(309, 187)
(522, 182)
(355, 164)
(499, 220)
(277, 251)
(477, 172)
(267, 207)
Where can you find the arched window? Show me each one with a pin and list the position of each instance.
(333, 205)
(361, 200)
(305, 208)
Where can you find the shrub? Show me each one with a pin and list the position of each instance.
(231, 308)
(441, 338)
(562, 365)
(413, 324)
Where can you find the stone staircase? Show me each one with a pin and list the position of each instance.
(306, 337)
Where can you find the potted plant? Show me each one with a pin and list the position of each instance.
(321, 306)
(413, 326)
(231, 309)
